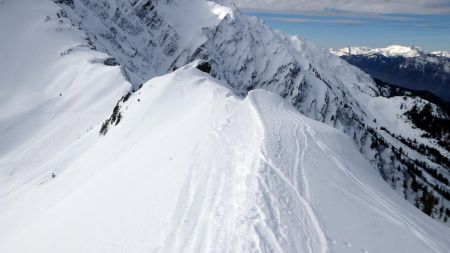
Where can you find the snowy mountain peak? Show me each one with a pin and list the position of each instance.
(397, 50)
(441, 53)
(391, 51)
(409, 67)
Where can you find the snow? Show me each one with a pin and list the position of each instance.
(208, 15)
(47, 100)
(350, 51)
(397, 50)
(390, 51)
(147, 38)
(191, 167)
(194, 168)
(441, 53)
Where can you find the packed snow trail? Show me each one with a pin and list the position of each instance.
(310, 227)
(218, 199)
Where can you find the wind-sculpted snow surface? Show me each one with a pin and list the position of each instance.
(194, 168)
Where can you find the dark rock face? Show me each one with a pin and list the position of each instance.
(111, 62)
(133, 32)
(66, 2)
(204, 67)
(425, 72)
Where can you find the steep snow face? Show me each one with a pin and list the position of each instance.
(53, 89)
(149, 38)
(146, 37)
(192, 167)
(250, 55)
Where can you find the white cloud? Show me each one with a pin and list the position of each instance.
(311, 20)
(358, 6)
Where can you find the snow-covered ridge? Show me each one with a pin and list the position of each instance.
(240, 175)
(195, 163)
(145, 38)
(391, 51)
(441, 53)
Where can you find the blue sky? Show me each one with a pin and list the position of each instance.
(428, 31)
(373, 23)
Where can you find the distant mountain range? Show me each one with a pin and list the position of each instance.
(408, 67)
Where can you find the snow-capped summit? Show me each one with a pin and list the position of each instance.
(390, 51)
(397, 50)
(409, 67)
(441, 53)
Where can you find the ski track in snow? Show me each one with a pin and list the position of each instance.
(205, 204)
(200, 210)
(389, 206)
(316, 239)
(299, 164)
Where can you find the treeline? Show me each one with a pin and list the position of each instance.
(424, 119)
(426, 201)
(422, 149)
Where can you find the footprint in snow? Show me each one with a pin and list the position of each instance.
(347, 244)
(364, 251)
(203, 79)
(331, 240)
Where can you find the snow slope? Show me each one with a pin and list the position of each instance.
(53, 89)
(194, 168)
